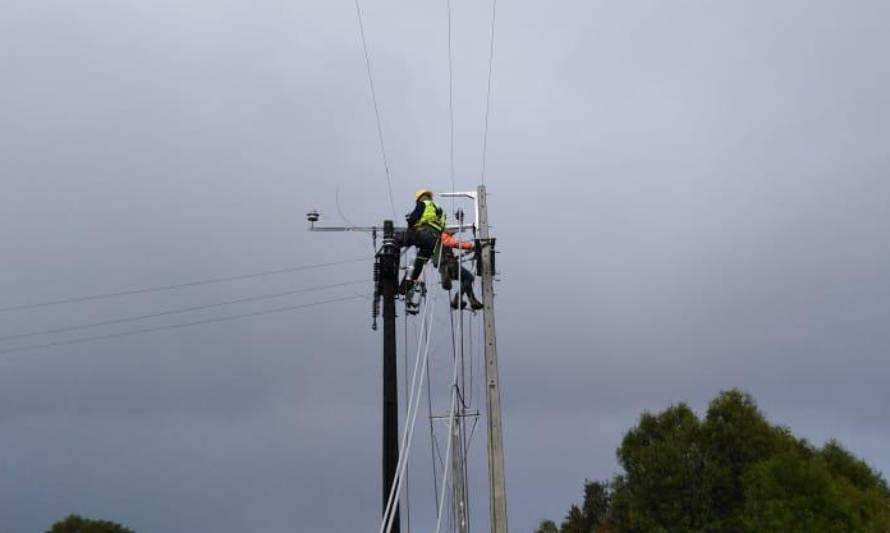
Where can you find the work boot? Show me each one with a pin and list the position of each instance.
(457, 301)
(419, 262)
(475, 304)
(406, 285)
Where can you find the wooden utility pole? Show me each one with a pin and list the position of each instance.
(388, 259)
(496, 478)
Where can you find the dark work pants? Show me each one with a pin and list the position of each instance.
(426, 240)
(452, 270)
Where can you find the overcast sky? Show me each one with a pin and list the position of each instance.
(689, 196)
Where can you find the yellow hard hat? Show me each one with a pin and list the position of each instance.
(423, 192)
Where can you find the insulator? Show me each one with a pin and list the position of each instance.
(375, 310)
(312, 216)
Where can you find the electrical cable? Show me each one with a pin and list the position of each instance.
(471, 389)
(407, 438)
(339, 209)
(388, 512)
(405, 399)
(178, 311)
(451, 102)
(465, 469)
(129, 292)
(494, 5)
(414, 404)
(462, 468)
(348, 223)
(434, 443)
(81, 340)
(448, 457)
(435, 451)
(361, 26)
(414, 401)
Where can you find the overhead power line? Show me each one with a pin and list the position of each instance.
(176, 311)
(129, 292)
(450, 103)
(361, 27)
(81, 340)
(494, 12)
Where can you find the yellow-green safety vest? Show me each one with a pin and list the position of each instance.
(433, 216)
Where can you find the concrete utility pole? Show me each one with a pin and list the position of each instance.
(496, 478)
(459, 495)
(458, 483)
(388, 260)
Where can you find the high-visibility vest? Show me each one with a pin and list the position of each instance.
(433, 216)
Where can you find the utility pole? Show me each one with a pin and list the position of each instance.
(386, 280)
(496, 477)
(459, 491)
(388, 261)
(386, 274)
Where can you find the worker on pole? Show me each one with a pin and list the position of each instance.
(451, 269)
(427, 232)
(425, 226)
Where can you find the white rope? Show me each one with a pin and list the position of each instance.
(434, 444)
(411, 415)
(407, 502)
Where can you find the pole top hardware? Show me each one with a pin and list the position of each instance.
(312, 217)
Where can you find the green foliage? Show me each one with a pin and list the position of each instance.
(793, 492)
(730, 472)
(592, 512)
(735, 436)
(596, 504)
(843, 464)
(802, 492)
(574, 522)
(77, 524)
(547, 526)
(661, 456)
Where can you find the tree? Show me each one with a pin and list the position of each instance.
(590, 517)
(735, 435)
(731, 471)
(841, 463)
(596, 504)
(791, 492)
(662, 486)
(574, 522)
(547, 526)
(77, 524)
